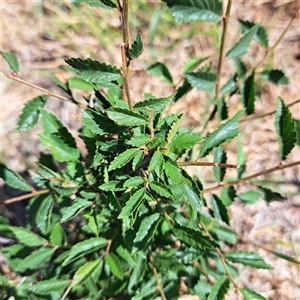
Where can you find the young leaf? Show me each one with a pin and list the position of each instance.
(85, 247)
(46, 287)
(123, 159)
(275, 76)
(27, 237)
(241, 47)
(219, 157)
(12, 60)
(160, 69)
(137, 47)
(85, 272)
(225, 132)
(285, 129)
(126, 117)
(30, 113)
(251, 295)
(248, 94)
(58, 236)
(173, 129)
(203, 81)
(196, 10)
(219, 289)
(248, 258)
(44, 214)
(158, 105)
(161, 189)
(94, 71)
(220, 210)
(79, 205)
(114, 265)
(13, 179)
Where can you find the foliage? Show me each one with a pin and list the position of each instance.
(126, 219)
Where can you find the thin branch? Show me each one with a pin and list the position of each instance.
(196, 263)
(156, 277)
(257, 116)
(245, 179)
(125, 77)
(66, 292)
(125, 27)
(200, 163)
(24, 197)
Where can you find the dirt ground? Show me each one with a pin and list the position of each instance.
(42, 34)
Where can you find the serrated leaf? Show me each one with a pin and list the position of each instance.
(85, 272)
(137, 47)
(58, 236)
(46, 287)
(229, 86)
(133, 203)
(227, 195)
(248, 94)
(261, 35)
(269, 195)
(138, 158)
(251, 295)
(114, 265)
(173, 129)
(36, 259)
(27, 237)
(250, 197)
(125, 254)
(193, 198)
(11, 59)
(173, 171)
(80, 84)
(107, 4)
(219, 157)
(241, 47)
(225, 132)
(44, 214)
(146, 232)
(13, 179)
(126, 117)
(193, 238)
(283, 256)
(297, 129)
(30, 113)
(220, 210)
(219, 289)
(223, 233)
(85, 247)
(196, 10)
(222, 109)
(275, 76)
(183, 90)
(285, 129)
(184, 140)
(248, 258)
(202, 81)
(123, 159)
(134, 181)
(161, 189)
(240, 67)
(167, 264)
(193, 64)
(160, 69)
(156, 163)
(94, 71)
(158, 105)
(140, 140)
(113, 185)
(78, 205)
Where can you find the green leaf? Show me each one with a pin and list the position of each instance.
(285, 129)
(297, 129)
(126, 117)
(27, 237)
(251, 295)
(13, 179)
(173, 171)
(85, 272)
(219, 157)
(225, 132)
(193, 238)
(229, 86)
(240, 67)
(137, 47)
(223, 233)
(94, 71)
(283, 256)
(125, 254)
(220, 210)
(46, 287)
(44, 214)
(160, 69)
(184, 140)
(193, 64)
(85, 247)
(269, 195)
(275, 76)
(134, 181)
(30, 113)
(12, 60)
(113, 185)
(123, 159)
(173, 129)
(227, 195)
(196, 10)
(161, 189)
(146, 232)
(203, 81)
(250, 197)
(156, 163)
(138, 159)
(222, 109)
(133, 203)
(248, 258)
(158, 105)
(219, 289)
(78, 205)
(114, 265)
(58, 236)
(140, 140)
(36, 259)
(80, 84)
(193, 198)
(107, 4)
(261, 35)
(241, 47)
(248, 94)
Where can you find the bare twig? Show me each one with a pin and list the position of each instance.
(125, 77)
(200, 163)
(24, 197)
(66, 292)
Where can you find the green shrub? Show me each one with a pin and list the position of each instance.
(126, 219)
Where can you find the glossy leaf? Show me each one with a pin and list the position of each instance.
(58, 236)
(114, 265)
(285, 129)
(196, 10)
(161, 189)
(220, 210)
(161, 70)
(11, 59)
(137, 47)
(184, 141)
(193, 198)
(158, 105)
(78, 205)
(30, 113)
(134, 181)
(140, 140)
(251, 295)
(248, 258)
(173, 171)
(225, 132)
(123, 159)
(275, 76)
(156, 163)
(219, 289)
(27, 237)
(203, 81)
(126, 117)
(44, 214)
(85, 272)
(248, 94)
(219, 157)
(46, 287)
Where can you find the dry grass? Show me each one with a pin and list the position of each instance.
(43, 35)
